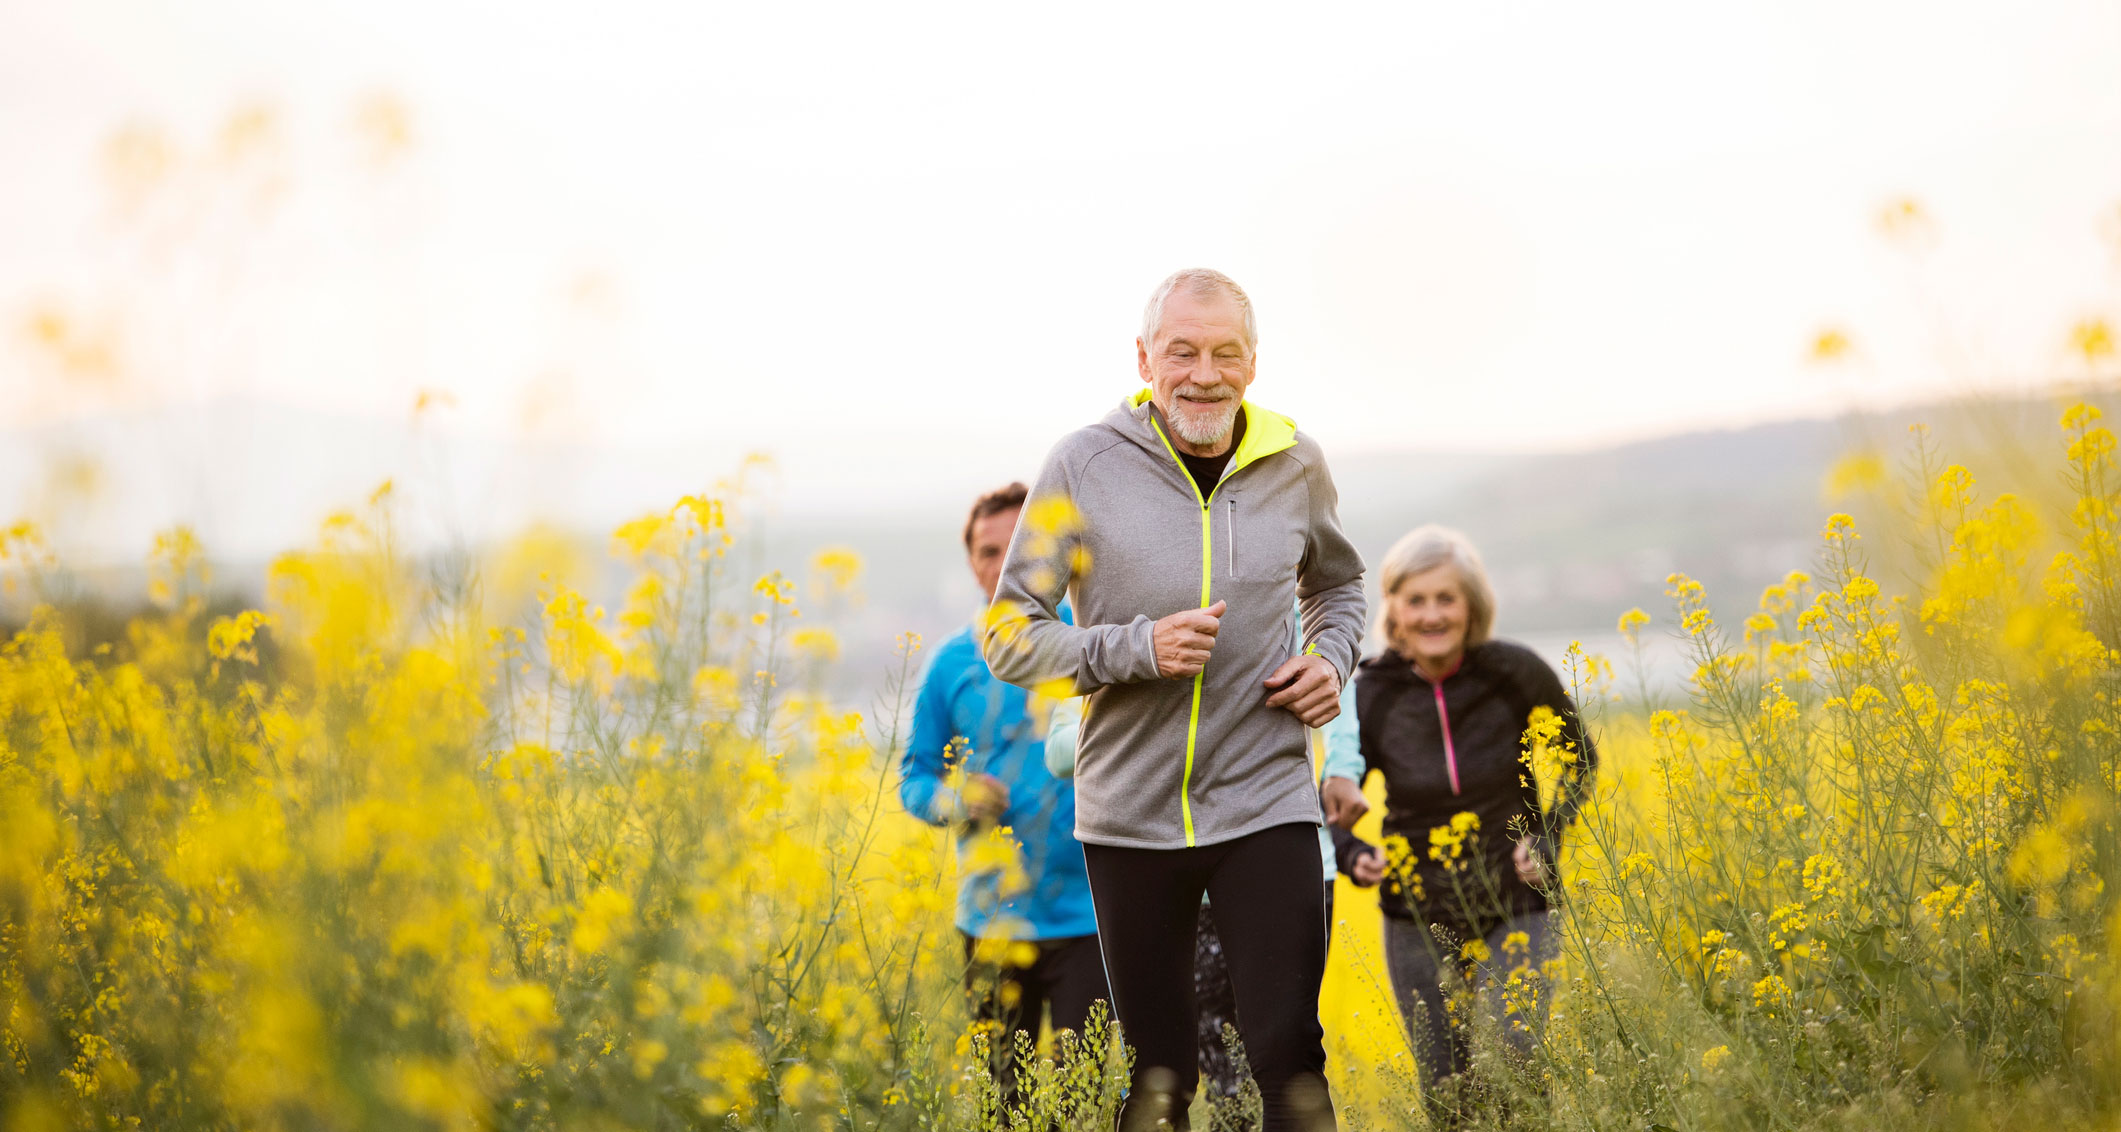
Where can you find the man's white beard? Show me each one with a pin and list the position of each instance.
(1205, 427)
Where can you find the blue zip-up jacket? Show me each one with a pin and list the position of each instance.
(963, 712)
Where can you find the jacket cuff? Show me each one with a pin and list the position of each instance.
(947, 807)
(1119, 654)
(1346, 849)
(1343, 660)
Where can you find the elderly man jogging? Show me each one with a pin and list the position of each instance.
(1188, 526)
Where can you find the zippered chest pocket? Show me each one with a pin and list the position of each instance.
(1255, 546)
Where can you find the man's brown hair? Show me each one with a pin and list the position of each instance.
(995, 502)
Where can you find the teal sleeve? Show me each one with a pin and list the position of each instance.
(1344, 740)
(1060, 737)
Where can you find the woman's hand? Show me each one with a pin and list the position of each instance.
(1531, 868)
(1345, 804)
(1369, 867)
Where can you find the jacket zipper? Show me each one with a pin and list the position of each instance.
(1207, 576)
(1450, 751)
(1230, 534)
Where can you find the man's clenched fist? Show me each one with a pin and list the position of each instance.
(1309, 686)
(986, 797)
(1184, 640)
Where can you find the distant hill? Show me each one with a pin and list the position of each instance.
(1572, 538)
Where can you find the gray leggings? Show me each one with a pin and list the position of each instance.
(1420, 966)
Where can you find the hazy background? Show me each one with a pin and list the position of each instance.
(1607, 285)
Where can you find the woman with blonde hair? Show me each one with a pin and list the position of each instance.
(1443, 711)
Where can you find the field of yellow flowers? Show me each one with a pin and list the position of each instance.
(392, 853)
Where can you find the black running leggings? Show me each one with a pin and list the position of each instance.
(1068, 973)
(1271, 912)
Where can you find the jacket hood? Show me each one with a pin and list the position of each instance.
(1387, 663)
(1389, 666)
(1138, 419)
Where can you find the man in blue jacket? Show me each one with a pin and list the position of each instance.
(1024, 903)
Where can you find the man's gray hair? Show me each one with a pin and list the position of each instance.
(1423, 549)
(1201, 283)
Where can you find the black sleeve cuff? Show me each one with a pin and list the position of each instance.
(1346, 849)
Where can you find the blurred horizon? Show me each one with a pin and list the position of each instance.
(1571, 538)
(551, 269)
(253, 477)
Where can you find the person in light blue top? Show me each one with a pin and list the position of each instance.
(1030, 934)
(1342, 803)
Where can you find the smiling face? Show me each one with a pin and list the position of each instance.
(1428, 617)
(1198, 368)
(990, 544)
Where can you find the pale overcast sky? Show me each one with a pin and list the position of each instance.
(909, 242)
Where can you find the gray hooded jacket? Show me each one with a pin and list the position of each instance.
(1116, 523)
